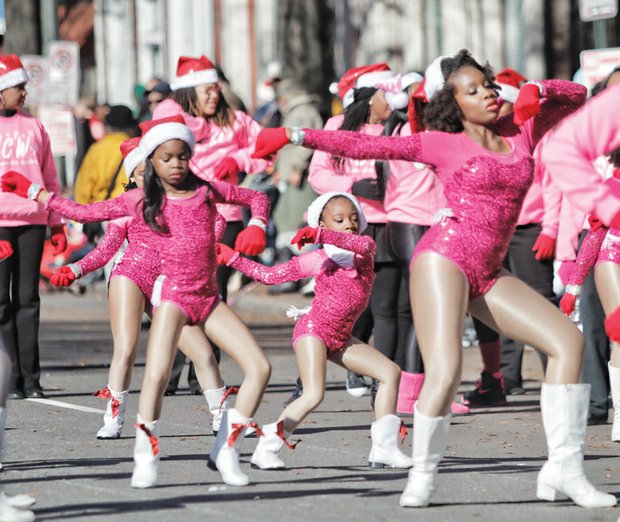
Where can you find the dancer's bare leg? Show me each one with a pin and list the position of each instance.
(439, 295)
(194, 344)
(363, 359)
(607, 280)
(226, 330)
(517, 311)
(126, 303)
(311, 355)
(168, 321)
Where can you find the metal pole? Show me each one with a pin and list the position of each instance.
(600, 34)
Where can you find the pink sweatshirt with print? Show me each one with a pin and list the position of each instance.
(213, 144)
(573, 147)
(25, 148)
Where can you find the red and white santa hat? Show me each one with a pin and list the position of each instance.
(394, 88)
(194, 71)
(156, 132)
(509, 82)
(132, 154)
(12, 71)
(358, 77)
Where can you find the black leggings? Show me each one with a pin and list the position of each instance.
(20, 303)
(402, 240)
(233, 228)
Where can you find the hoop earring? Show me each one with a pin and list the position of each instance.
(370, 102)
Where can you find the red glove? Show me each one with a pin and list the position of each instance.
(270, 141)
(64, 277)
(595, 223)
(565, 270)
(612, 325)
(5, 249)
(567, 303)
(223, 253)
(58, 239)
(527, 104)
(251, 241)
(305, 236)
(227, 170)
(16, 183)
(544, 247)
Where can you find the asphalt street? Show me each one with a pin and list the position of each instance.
(51, 452)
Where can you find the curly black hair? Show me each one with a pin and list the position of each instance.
(443, 113)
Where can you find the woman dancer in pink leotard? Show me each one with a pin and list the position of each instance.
(344, 272)
(130, 289)
(486, 165)
(180, 211)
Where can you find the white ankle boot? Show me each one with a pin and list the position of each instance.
(385, 452)
(114, 417)
(145, 454)
(265, 455)
(564, 409)
(430, 435)
(10, 513)
(614, 384)
(218, 404)
(225, 455)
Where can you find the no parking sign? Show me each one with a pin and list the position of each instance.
(64, 72)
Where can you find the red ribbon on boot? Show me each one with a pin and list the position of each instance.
(235, 432)
(232, 390)
(280, 433)
(152, 438)
(105, 393)
(256, 427)
(403, 432)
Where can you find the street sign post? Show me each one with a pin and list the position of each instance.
(64, 72)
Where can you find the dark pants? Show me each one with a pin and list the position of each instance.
(379, 317)
(521, 261)
(595, 371)
(402, 240)
(20, 303)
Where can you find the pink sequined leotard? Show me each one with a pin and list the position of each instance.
(599, 246)
(187, 250)
(141, 262)
(340, 294)
(484, 189)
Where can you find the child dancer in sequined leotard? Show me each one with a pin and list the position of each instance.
(344, 272)
(180, 210)
(130, 289)
(486, 165)
(569, 155)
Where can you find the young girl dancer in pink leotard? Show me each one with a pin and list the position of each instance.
(180, 210)
(130, 289)
(344, 272)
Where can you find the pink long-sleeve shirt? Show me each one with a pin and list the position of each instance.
(214, 143)
(340, 294)
(25, 147)
(413, 193)
(573, 147)
(543, 200)
(323, 176)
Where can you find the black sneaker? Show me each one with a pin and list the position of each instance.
(489, 392)
(597, 420)
(356, 384)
